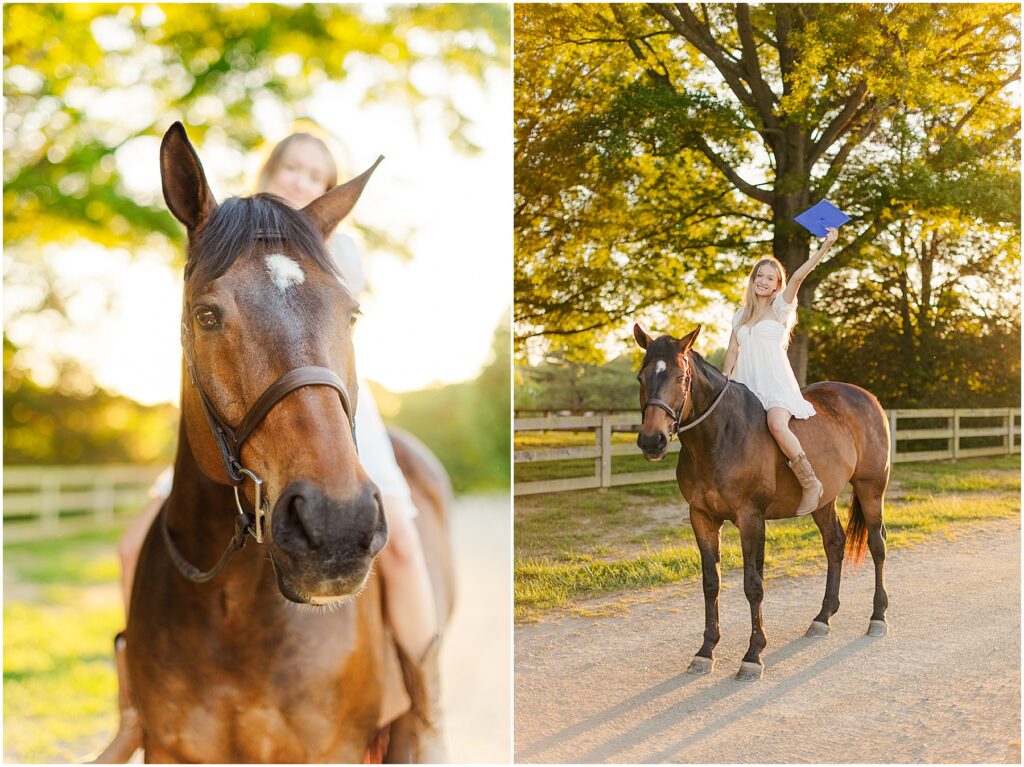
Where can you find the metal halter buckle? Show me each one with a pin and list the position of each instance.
(260, 508)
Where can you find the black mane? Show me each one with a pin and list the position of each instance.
(244, 225)
(708, 370)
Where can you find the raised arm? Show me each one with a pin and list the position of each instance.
(797, 278)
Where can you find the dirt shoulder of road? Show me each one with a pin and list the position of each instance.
(944, 686)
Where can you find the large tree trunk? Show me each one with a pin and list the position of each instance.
(790, 240)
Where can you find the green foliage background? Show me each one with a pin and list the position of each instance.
(209, 66)
(661, 149)
(467, 424)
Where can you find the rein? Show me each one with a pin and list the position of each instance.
(230, 440)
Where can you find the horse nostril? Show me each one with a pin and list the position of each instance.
(299, 506)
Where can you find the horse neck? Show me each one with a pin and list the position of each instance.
(201, 516)
(739, 412)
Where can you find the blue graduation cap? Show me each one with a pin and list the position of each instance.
(820, 217)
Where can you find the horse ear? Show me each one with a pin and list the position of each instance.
(641, 337)
(330, 208)
(687, 341)
(186, 192)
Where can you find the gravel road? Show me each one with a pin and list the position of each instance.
(944, 686)
(477, 651)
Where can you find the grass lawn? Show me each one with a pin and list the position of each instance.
(62, 607)
(534, 440)
(576, 545)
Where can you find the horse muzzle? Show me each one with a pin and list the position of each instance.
(322, 547)
(654, 446)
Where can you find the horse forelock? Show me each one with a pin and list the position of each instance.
(663, 347)
(259, 224)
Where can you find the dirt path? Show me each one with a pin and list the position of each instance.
(944, 686)
(476, 655)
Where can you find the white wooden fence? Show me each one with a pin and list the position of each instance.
(51, 501)
(956, 426)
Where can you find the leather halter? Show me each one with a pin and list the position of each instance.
(230, 440)
(676, 415)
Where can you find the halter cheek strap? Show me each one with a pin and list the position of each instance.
(229, 442)
(676, 415)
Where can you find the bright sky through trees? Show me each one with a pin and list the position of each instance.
(429, 318)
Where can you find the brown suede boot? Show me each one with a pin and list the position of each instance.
(811, 498)
(129, 735)
(423, 683)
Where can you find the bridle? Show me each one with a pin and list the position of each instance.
(230, 440)
(676, 415)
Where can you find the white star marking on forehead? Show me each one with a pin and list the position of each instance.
(284, 271)
(660, 366)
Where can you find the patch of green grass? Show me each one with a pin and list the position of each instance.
(59, 683)
(64, 545)
(572, 546)
(584, 467)
(61, 611)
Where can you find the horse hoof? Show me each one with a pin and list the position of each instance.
(701, 665)
(818, 629)
(750, 672)
(878, 629)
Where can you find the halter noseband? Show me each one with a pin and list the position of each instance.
(230, 440)
(676, 415)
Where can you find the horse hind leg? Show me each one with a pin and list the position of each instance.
(834, 540)
(870, 507)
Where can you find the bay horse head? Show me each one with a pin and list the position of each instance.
(665, 378)
(269, 384)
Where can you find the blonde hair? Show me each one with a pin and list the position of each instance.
(747, 302)
(304, 131)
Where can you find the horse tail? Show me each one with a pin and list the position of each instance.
(856, 532)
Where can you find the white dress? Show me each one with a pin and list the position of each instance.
(375, 451)
(763, 365)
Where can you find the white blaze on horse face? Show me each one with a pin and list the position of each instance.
(284, 271)
(660, 366)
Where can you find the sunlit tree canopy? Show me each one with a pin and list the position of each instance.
(660, 149)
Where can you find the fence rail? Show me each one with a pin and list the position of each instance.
(941, 436)
(52, 501)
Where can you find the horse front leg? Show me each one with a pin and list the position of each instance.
(834, 540)
(751, 526)
(708, 533)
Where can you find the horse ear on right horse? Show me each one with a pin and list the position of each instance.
(643, 340)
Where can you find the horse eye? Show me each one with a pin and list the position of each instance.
(206, 318)
(680, 379)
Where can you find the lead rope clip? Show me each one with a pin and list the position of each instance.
(259, 506)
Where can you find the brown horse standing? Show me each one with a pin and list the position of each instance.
(730, 468)
(227, 668)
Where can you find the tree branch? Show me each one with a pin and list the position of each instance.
(699, 36)
(759, 89)
(826, 183)
(851, 111)
(761, 195)
(970, 112)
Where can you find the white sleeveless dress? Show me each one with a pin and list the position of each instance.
(375, 451)
(762, 363)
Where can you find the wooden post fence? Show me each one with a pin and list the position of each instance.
(947, 427)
